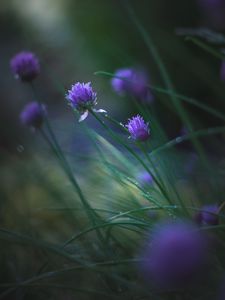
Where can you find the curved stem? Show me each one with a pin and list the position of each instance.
(54, 145)
(131, 151)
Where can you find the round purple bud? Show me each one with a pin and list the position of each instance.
(121, 83)
(175, 255)
(134, 82)
(138, 129)
(144, 179)
(81, 96)
(33, 115)
(208, 215)
(25, 66)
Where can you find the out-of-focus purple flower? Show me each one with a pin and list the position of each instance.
(214, 11)
(208, 215)
(25, 66)
(222, 71)
(134, 82)
(82, 98)
(33, 115)
(175, 255)
(138, 129)
(144, 179)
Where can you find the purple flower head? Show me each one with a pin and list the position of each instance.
(208, 215)
(144, 179)
(25, 66)
(119, 85)
(33, 115)
(134, 82)
(82, 98)
(138, 129)
(175, 255)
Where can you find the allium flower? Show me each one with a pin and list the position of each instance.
(82, 98)
(144, 179)
(175, 255)
(25, 66)
(208, 215)
(138, 129)
(33, 115)
(134, 82)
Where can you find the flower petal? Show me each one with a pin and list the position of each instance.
(83, 116)
(99, 110)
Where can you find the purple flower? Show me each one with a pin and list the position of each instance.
(82, 98)
(33, 115)
(144, 179)
(175, 255)
(208, 215)
(134, 82)
(138, 129)
(25, 66)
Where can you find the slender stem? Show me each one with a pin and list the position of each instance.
(167, 80)
(172, 185)
(54, 145)
(65, 167)
(120, 125)
(86, 205)
(57, 150)
(115, 137)
(169, 92)
(151, 163)
(88, 209)
(159, 182)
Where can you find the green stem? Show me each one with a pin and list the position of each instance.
(160, 90)
(166, 78)
(205, 47)
(54, 145)
(115, 122)
(171, 184)
(131, 151)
